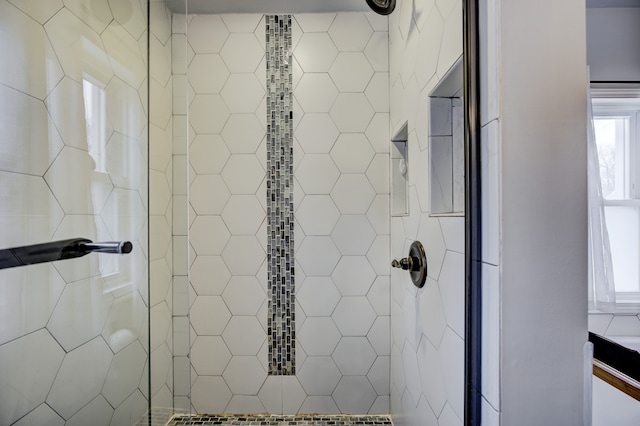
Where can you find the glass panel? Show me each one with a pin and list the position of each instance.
(73, 163)
(612, 140)
(622, 225)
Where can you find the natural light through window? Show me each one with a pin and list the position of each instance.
(616, 130)
(611, 138)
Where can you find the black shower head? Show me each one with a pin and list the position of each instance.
(383, 7)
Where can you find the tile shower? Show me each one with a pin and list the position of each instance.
(365, 340)
(339, 162)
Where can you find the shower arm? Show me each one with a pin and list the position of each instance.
(59, 250)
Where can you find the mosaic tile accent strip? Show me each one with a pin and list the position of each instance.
(281, 315)
(298, 420)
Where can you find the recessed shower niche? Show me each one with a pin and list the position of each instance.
(446, 145)
(400, 173)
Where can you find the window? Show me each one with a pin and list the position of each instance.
(617, 133)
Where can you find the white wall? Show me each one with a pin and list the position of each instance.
(535, 137)
(612, 44)
(341, 158)
(427, 356)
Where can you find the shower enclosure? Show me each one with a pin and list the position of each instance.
(245, 157)
(85, 157)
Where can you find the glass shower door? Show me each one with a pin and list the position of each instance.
(74, 339)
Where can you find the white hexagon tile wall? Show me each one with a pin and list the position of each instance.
(427, 355)
(73, 109)
(341, 202)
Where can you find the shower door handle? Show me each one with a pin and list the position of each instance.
(59, 250)
(116, 247)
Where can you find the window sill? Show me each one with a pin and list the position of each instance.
(619, 308)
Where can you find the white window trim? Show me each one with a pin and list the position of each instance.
(618, 101)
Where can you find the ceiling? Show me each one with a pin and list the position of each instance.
(268, 6)
(613, 3)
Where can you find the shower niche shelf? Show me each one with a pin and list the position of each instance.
(400, 173)
(446, 145)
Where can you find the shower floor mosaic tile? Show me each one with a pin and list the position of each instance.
(159, 416)
(266, 420)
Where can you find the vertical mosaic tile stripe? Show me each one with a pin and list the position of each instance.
(281, 315)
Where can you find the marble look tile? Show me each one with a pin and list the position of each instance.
(80, 377)
(27, 383)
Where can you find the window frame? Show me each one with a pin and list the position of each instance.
(624, 102)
